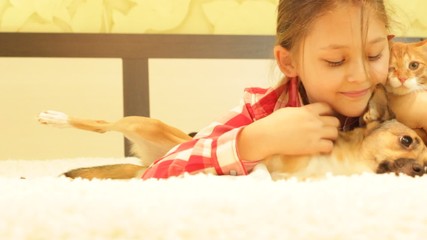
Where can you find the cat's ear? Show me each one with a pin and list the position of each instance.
(423, 45)
(285, 61)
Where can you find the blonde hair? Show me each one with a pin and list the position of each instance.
(295, 17)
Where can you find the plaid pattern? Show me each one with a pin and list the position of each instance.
(213, 150)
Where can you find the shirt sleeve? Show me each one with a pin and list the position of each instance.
(213, 150)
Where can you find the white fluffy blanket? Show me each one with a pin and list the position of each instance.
(44, 206)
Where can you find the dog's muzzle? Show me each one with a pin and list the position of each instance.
(402, 165)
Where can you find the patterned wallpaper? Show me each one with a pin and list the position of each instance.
(170, 16)
(410, 17)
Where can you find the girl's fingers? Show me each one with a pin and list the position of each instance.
(325, 146)
(330, 121)
(330, 133)
(325, 112)
(321, 109)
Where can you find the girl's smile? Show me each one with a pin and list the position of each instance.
(356, 94)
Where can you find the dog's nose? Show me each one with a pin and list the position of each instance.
(407, 166)
(418, 169)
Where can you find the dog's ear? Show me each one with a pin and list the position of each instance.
(378, 110)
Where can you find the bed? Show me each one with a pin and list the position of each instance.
(37, 203)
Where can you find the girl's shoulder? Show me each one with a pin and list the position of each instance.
(255, 95)
(264, 101)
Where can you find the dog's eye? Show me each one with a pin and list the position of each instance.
(406, 141)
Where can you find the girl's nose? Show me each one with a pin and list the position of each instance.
(357, 72)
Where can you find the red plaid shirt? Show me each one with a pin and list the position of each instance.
(213, 150)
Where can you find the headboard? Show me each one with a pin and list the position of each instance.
(135, 50)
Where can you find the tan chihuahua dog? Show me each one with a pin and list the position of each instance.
(381, 145)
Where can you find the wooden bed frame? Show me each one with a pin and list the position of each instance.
(135, 50)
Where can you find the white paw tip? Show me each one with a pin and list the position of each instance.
(53, 118)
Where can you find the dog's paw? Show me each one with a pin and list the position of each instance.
(53, 118)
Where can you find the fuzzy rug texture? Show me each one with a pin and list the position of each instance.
(47, 206)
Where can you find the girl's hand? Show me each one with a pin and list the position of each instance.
(290, 131)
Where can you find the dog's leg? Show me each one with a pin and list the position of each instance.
(151, 138)
(133, 127)
(62, 120)
(116, 171)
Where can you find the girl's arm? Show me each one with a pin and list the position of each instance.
(213, 150)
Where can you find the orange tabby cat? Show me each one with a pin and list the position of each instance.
(407, 84)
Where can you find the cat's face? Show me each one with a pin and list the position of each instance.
(408, 68)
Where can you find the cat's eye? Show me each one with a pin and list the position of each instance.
(414, 65)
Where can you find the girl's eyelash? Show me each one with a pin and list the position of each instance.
(335, 64)
(374, 58)
(339, 63)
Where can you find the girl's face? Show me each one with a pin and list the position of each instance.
(334, 64)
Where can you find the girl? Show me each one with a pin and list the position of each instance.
(333, 53)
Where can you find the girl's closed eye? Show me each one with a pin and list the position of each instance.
(375, 57)
(335, 63)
